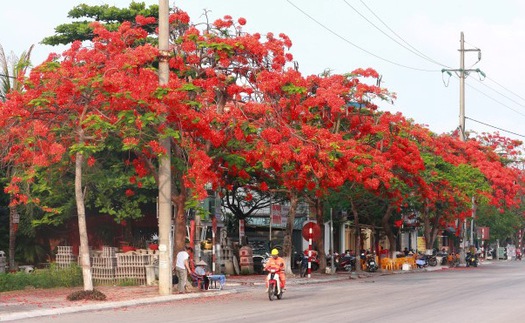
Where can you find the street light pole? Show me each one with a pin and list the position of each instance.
(165, 207)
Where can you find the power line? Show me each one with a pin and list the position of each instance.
(431, 60)
(499, 102)
(418, 53)
(414, 50)
(354, 45)
(503, 95)
(411, 49)
(503, 87)
(491, 126)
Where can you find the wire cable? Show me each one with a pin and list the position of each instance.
(491, 126)
(503, 87)
(502, 94)
(354, 45)
(411, 49)
(499, 102)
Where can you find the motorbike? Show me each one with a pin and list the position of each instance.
(471, 259)
(341, 262)
(274, 284)
(453, 260)
(314, 263)
(432, 260)
(368, 262)
(347, 263)
(426, 260)
(259, 262)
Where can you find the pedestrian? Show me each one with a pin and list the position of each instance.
(182, 266)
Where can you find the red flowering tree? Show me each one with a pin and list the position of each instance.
(449, 188)
(300, 135)
(455, 172)
(68, 109)
(213, 74)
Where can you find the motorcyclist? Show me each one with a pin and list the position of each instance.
(277, 263)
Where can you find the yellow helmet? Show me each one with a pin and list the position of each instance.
(275, 252)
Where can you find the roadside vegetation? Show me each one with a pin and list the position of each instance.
(42, 278)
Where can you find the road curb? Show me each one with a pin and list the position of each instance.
(110, 305)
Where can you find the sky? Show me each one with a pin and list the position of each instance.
(408, 42)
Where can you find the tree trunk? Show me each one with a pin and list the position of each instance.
(82, 227)
(12, 238)
(426, 228)
(430, 228)
(388, 229)
(179, 233)
(319, 243)
(287, 243)
(435, 229)
(358, 267)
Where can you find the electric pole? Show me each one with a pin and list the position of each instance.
(165, 209)
(462, 73)
(462, 88)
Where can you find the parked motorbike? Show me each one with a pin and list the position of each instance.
(443, 256)
(426, 260)
(432, 260)
(453, 260)
(314, 263)
(471, 259)
(274, 284)
(347, 263)
(259, 262)
(370, 263)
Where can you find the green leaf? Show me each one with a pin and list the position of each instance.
(161, 92)
(293, 89)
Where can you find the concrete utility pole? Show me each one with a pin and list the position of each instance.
(462, 73)
(165, 209)
(462, 88)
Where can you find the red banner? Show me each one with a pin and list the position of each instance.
(275, 213)
(483, 233)
(241, 229)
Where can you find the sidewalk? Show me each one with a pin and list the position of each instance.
(29, 303)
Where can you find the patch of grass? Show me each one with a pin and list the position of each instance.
(91, 295)
(42, 278)
(127, 282)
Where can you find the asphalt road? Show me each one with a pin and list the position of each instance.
(490, 293)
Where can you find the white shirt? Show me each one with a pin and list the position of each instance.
(182, 256)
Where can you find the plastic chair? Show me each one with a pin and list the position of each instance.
(400, 262)
(387, 264)
(199, 281)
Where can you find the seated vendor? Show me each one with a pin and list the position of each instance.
(199, 275)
